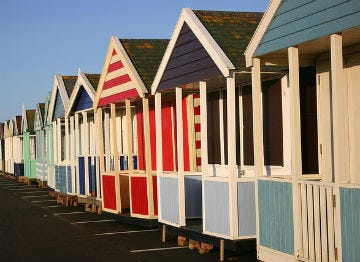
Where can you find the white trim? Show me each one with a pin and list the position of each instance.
(272, 255)
(216, 53)
(81, 81)
(58, 85)
(260, 31)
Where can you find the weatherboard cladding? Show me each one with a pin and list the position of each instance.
(59, 110)
(83, 100)
(190, 61)
(145, 55)
(299, 21)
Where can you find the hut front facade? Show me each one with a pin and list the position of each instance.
(60, 179)
(124, 107)
(84, 159)
(8, 138)
(2, 148)
(204, 126)
(17, 147)
(308, 210)
(40, 143)
(29, 152)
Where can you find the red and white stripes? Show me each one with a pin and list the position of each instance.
(118, 84)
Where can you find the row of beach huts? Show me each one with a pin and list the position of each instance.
(242, 126)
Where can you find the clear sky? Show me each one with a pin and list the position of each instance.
(41, 38)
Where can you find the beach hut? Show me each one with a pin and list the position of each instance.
(17, 144)
(83, 143)
(204, 158)
(49, 146)
(62, 89)
(308, 210)
(127, 137)
(27, 125)
(2, 148)
(40, 144)
(8, 138)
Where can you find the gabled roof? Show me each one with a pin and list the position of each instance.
(7, 130)
(87, 82)
(292, 22)
(2, 126)
(129, 69)
(17, 125)
(223, 35)
(28, 118)
(62, 88)
(39, 116)
(146, 55)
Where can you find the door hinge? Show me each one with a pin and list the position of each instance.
(334, 201)
(320, 149)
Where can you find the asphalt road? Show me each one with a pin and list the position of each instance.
(33, 227)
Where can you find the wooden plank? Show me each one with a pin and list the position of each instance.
(180, 155)
(85, 151)
(324, 219)
(191, 132)
(330, 216)
(159, 158)
(304, 216)
(148, 166)
(231, 134)
(317, 223)
(310, 211)
(295, 129)
(129, 136)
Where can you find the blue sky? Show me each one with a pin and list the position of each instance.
(41, 38)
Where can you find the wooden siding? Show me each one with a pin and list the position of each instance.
(188, 63)
(246, 209)
(296, 22)
(61, 179)
(69, 179)
(59, 110)
(92, 175)
(169, 200)
(109, 192)
(217, 207)
(83, 100)
(193, 196)
(81, 166)
(276, 227)
(350, 223)
(139, 198)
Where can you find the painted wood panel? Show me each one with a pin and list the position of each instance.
(81, 166)
(83, 100)
(350, 223)
(68, 179)
(276, 227)
(217, 207)
(297, 22)
(193, 196)
(169, 199)
(139, 196)
(59, 110)
(62, 179)
(246, 209)
(109, 192)
(18, 169)
(92, 176)
(188, 63)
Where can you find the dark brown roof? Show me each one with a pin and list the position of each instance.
(42, 110)
(69, 82)
(146, 55)
(2, 125)
(93, 79)
(231, 30)
(30, 115)
(18, 125)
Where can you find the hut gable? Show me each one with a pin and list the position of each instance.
(39, 116)
(83, 93)
(291, 22)
(129, 69)
(28, 117)
(17, 126)
(205, 44)
(62, 89)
